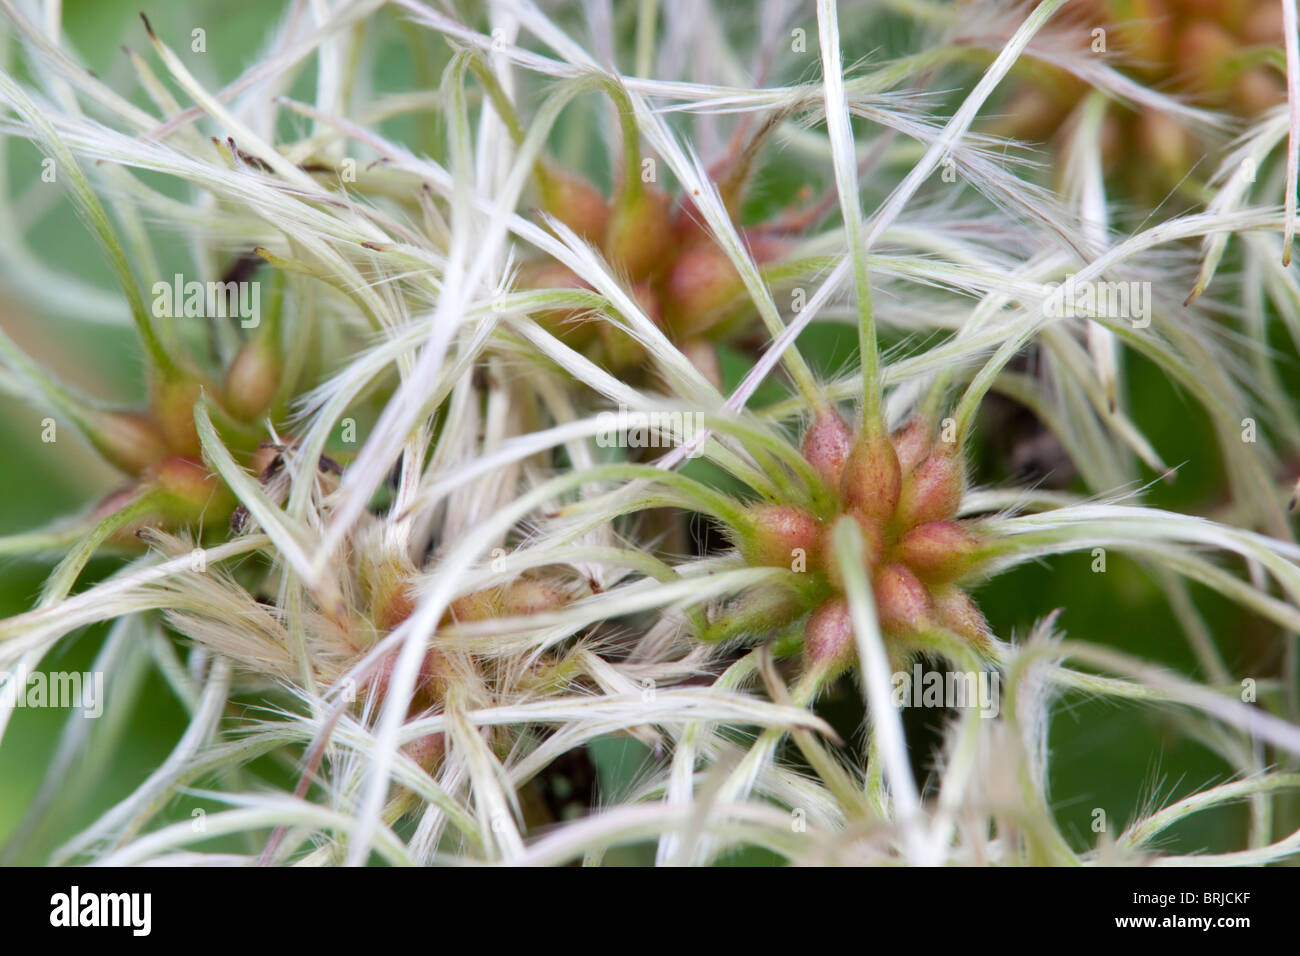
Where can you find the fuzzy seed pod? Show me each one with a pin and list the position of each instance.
(393, 605)
(703, 354)
(567, 325)
(958, 613)
(1257, 89)
(777, 532)
(576, 203)
(476, 606)
(1204, 52)
(530, 596)
(903, 604)
(933, 491)
(128, 440)
(190, 489)
(1144, 29)
(1166, 141)
(871, 480)
(912, 443)
(173, 405)
(828, 636)
(430, 682)
(1264, 25)
(826, 445)
(639, 236)
(252, 380)
(701, 283)
(938, 551)
(426, 751)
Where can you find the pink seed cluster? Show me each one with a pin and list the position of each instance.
(903, 491)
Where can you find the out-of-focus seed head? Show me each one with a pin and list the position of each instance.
(128, 440)
(1167, 143)
(1205, 51)
(639, 235)
(574, 201)
(701, 283)
(955, 611)
(531, 596)
(828, 637)
(189, 489)
(173, 406)
(703, 354)
(252, 380)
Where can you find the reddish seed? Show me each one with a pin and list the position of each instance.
(576, 203)
(476, 606)
(828, 635)
(1264, 24)
(429, 681)
(391, 609)
(639, 236)
(128, 440)
(938, 551)
(190, 488)
(871, 479)
(173, 405)
(529, 596)
(251, 380)
(902, 603)
(1258, 89)
(912, 442)
(700, 284)
(426, 751)
(703, 354)
(933, 491)
(778, 531)
(1204, 51)
(958, 613)
(826, 445)
(566, 324)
